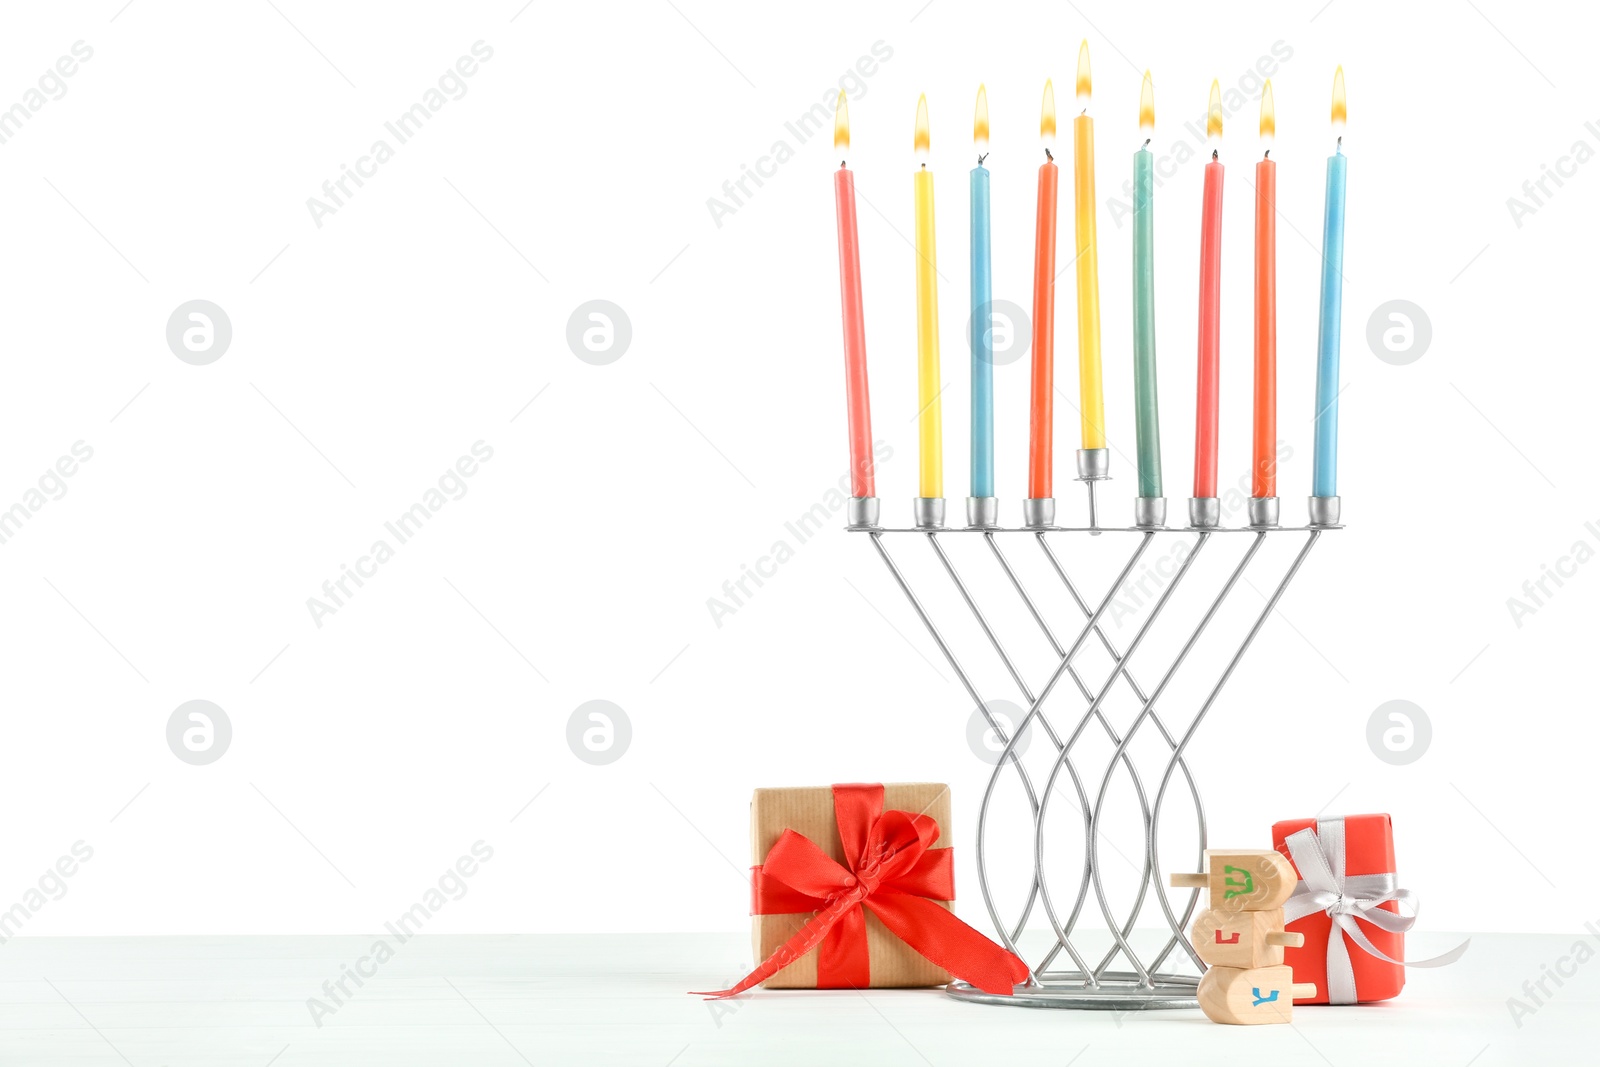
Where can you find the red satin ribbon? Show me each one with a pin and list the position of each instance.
(896, 874)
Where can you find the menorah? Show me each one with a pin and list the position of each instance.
(1139, 982)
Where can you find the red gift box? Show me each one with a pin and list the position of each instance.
(1359, 850)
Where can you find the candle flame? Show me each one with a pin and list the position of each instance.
(1147, 106)
(1047, 115)
(841, 124)
(922, 137)
(1085, 88)
(980, 122)
(1338, 101)
(1214, 112)
(1269, 125)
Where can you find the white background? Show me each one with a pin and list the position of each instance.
(368, 354)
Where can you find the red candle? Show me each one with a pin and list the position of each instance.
(1264, 466)
(855, 330)
(1041, 410)
(1208, 379)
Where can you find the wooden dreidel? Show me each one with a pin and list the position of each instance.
(1253, 995)
(1242, 938)
(1243, 880)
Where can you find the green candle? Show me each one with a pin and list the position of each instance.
(1146, 412)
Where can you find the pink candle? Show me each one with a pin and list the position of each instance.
(1041, 406)
(855, 330)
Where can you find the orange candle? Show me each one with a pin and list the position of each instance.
(1264, 466)
(1041, 410)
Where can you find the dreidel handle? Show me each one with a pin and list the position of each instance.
(1286, 939)
(1302, 990)
(1186, 880)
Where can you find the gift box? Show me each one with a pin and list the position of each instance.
(852, 889)
(809, 812)
(1336, 905)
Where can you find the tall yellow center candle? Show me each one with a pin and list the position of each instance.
(928, 417)
(1090, 398)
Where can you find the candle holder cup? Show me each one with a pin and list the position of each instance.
(1094, 465)
(1072, 705)
(1150, 512)
(1263, 511)
(862, 513)
(929, 511)
(983, 512)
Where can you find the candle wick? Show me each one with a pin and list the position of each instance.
(1340, 142)
(1213, 155)
(1267, 154)
(1048, 156)
(982, 158)
(1147, 142)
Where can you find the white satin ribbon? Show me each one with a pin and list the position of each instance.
(1324, 886)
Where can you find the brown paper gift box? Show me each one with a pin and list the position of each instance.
(808, 811)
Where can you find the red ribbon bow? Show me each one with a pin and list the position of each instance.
(896, 874)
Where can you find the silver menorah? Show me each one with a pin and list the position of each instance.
(1142, 981)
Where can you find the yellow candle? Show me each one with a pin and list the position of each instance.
(928, 420)
(1091, 403)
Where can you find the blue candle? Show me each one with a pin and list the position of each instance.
(982, 300)
(1326, 462)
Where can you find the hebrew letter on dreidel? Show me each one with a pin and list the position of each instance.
(1225, 938)
(1250, 996)
(1243, 880)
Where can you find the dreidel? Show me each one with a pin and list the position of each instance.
(1242, 938)
(1249, 996)
(1243, 880)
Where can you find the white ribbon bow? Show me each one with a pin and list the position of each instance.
(1324, 886)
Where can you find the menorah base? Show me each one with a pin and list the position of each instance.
(1116, 991)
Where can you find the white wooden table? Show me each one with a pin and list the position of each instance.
(596, 1000)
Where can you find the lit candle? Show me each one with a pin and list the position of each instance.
(928, 420)
(1264, 454)
(982, 338)
(1090, 398)
(1204, 509)
(1040, 507)
(855, 330)
(1146, 411)
(1325, 491)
